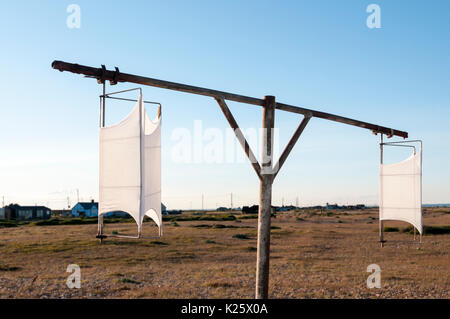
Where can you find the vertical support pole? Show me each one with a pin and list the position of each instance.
(103, 106)
(141, 161)
(102, 124)
(380, 221)
(265, 199)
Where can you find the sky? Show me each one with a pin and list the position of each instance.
(314, 54)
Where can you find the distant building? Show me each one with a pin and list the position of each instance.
(85, 209)
(90, 209)
(2, 213)
(18, 212)
(250, 210)
(333, 206)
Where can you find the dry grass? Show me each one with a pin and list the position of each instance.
(313, 255)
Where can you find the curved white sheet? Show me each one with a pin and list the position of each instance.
(401, 191)
(130, 167)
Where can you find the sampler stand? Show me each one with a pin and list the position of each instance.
(266, 170)
(398, 144)
(103, 97)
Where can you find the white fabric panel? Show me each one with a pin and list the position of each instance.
(152, 169)
(401, 191)
(130, 167)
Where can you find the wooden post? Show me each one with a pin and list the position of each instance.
(265, 200)
(381, 222)
(108, 75)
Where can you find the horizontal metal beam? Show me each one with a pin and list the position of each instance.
(102, 74)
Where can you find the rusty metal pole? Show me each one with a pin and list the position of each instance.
(265, 199)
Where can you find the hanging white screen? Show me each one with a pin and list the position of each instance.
(401, 191)
(130, 167)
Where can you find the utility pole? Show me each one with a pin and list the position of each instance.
(231, 201)
(78, 195)
(202, 202)
(296, 202)
(3, 201)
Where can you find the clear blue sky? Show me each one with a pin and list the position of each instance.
(316, 54)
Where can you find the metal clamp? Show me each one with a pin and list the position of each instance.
(101, 80)
(114, 79)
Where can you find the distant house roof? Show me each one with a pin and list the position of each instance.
(87, 205)
(35, 207)
(16, 206)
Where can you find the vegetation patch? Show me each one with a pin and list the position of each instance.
(128, 281)
(430, 230)
(161, 243)
(117, 274)
(202, 226)
(78, 221)
(209, 241)
(241, 236)
(391, 229)
(217, 226)
(255, 216)
(7, 224)
(219, 285)
(8, 268)
(215, 217)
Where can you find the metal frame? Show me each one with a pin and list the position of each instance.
(103, 97)
(397, 144)
(265, 171)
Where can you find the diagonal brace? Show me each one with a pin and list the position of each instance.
(241, 138)
(287, 150)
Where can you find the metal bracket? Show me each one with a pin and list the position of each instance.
(391, 134)
(101, 80)
(114, 80)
